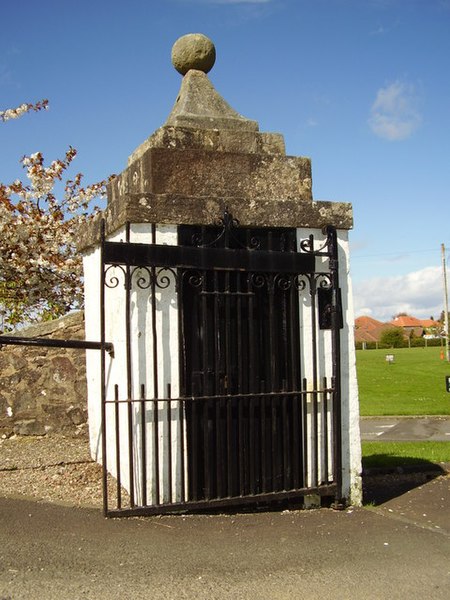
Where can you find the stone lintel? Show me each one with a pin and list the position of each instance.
(197, 172)
(172, 209)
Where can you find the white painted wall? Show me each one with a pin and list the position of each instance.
(351, 444)
(168, 365)
(142, 371)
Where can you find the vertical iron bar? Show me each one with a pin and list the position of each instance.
(315, 432)
(295, 384)
(169, 442)
(325, 429)
(196, 388)
(227, 382)
(103, 369)
(143, 448)
(129, 373)
(206, 388)
(239, 337)
(284, 373)
(195, 446)
(182, 450)
(241, 442)
(155, 377)
(274, 441)
(240, 370)
(249, 363)
(182, 370)
(207, 471)
(230, 461)
(251, 339)
(219, 384)
(305, 431)
(286, 442)
(251, 444)
(336, 367)
(263, 439)
(219, 450)
(296, 448)
(313, 292)
(314, 427)
(272, 383)
(156, 450)
(117, 423)
(230, 383)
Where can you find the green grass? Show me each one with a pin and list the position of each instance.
(413, 385)
(395, 454)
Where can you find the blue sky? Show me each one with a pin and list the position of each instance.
(360, 86)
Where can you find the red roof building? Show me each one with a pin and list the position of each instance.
(409, 325)
(429, 323)
(368, 329)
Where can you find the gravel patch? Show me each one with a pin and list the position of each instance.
(54, 468)
(58, 469)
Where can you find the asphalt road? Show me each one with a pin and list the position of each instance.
(398, 550)
(404, 429)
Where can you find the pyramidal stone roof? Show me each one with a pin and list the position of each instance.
(207, 157)
(200, 106)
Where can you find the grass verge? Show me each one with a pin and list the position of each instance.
(400, 454)
(414, 384)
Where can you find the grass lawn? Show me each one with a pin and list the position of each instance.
(414, 384)
(394, 454)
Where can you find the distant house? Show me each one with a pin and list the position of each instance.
(368, 329)
(431, 328)
(410, 325)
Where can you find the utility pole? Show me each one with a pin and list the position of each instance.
(444, 273)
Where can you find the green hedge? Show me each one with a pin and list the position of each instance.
(415, 342)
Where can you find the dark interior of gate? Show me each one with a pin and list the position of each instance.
(255, 427)
(241, 356)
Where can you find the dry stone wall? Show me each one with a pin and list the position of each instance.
(44, 389)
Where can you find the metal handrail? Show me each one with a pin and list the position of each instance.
(56, 343)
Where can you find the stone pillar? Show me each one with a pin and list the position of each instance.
(204, 159)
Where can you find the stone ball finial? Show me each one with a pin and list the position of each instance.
(193, 51)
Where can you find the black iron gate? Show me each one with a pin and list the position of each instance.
(241, 343)
(255, 419)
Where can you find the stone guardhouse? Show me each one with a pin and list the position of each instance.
(225, 291)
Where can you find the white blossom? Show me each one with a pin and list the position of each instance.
(15, 113)
(40, 270)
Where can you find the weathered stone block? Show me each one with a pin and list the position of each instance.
(29, 427)
(39, 385)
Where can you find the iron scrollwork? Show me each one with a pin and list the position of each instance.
(112, 280)
(228, 233)
(144, 277)
(307, 246)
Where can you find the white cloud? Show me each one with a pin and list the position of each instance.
(394, 114)
(419, 294)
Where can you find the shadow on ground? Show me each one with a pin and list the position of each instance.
(379, 486)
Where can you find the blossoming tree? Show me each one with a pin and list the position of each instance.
(40, 270)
